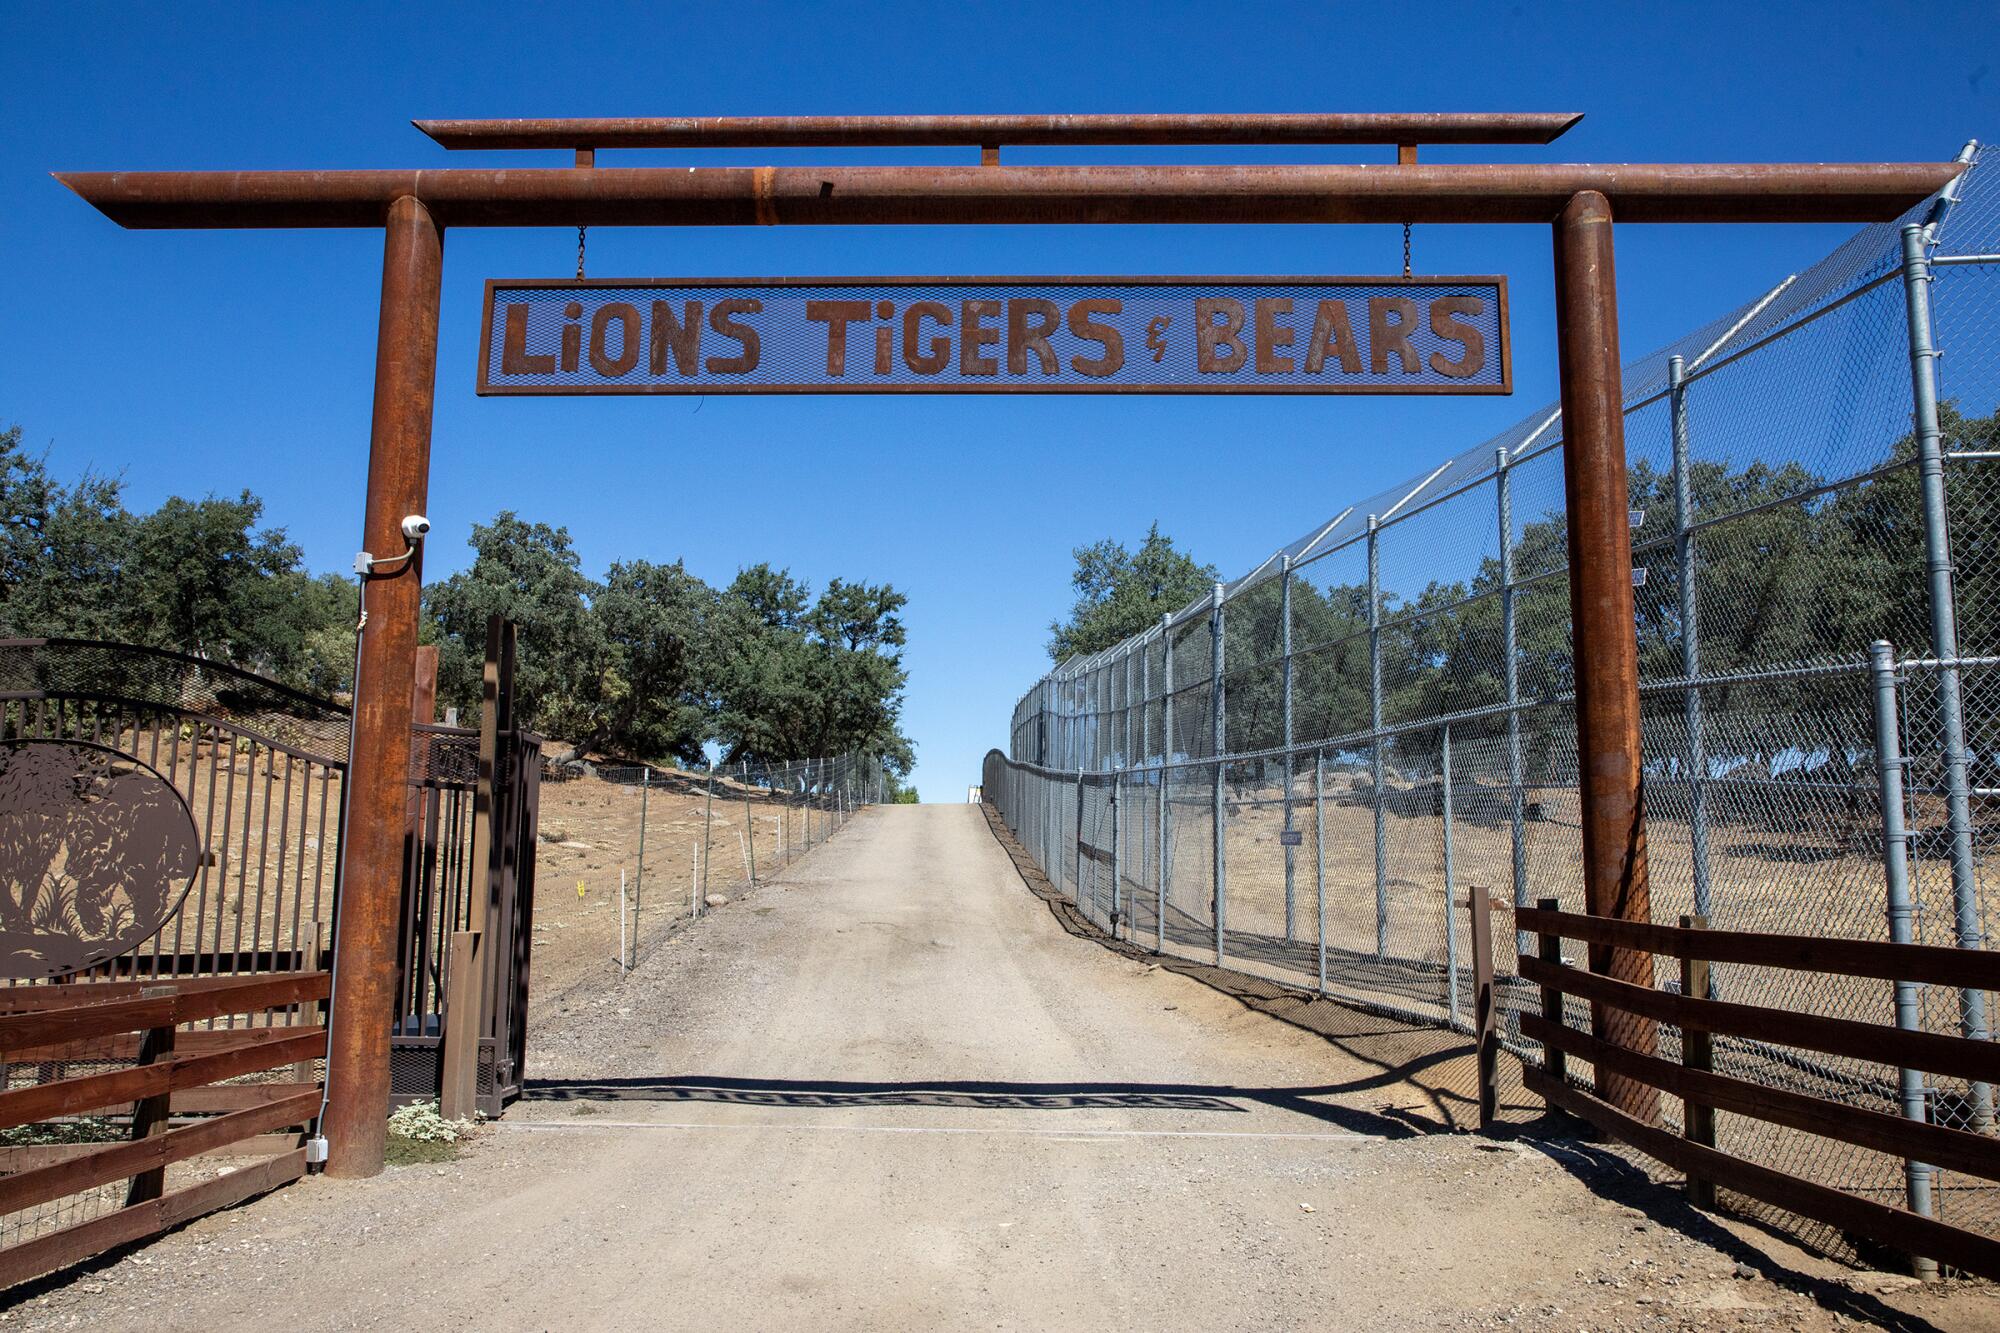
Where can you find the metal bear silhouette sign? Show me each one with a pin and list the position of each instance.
(97, 852)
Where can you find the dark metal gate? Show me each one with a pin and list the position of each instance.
(449, 886)
(261, 766)
(262, 769)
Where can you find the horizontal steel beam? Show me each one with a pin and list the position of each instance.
(982, 131)
(875, 196)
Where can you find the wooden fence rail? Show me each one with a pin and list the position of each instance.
(1704, 1092)
(173, 1073)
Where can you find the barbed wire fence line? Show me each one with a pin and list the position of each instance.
(721, 829)
(1307, 774)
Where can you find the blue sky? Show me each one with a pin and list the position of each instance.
(213, 361)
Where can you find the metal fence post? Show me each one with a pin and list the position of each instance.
(1145, 736)
(1164, 871)
(1375, 734)
(1285, 614)
(1100, 717)
(1073, 710)
(1078, 844)
(1698, 1054)
(1450, 884)
(1917, 1176)
(1065, 731)
(1052, 830)
(1944, 642)
(1690, 612)
(1511, 674)
(1485, 1018)
(1319, 850)
(1125, 684)
(707, 838)
(749, 828)
(1094, 689)
(1145, 704)
(1117, 863)
(1049, 839)
(639, 880)
(1219, 699)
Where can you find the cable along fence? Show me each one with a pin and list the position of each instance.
(1309, 774)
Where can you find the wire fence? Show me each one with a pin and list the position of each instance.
(677, 838)
(1307, 774)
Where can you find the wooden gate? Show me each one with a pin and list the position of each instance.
(456, 880)
(133, 1107)
(1908, 1150)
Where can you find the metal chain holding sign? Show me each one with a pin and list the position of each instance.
(581, 230)
(1406, 254)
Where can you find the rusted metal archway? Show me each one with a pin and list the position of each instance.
(414, 207)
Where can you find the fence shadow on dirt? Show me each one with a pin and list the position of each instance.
(1439, 1067)
(1443, 1068)
(1606, 1172)
(971, 1094)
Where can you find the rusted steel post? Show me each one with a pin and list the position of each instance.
(356, 1122)
(1607, 646)
(424, 688)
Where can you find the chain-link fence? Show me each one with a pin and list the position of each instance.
(1307, 774)
(655, 845)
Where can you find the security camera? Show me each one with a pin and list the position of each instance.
(415, 528)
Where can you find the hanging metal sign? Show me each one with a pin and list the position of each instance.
(996, 335)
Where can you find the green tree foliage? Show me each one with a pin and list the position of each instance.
(198, 576)
(563, 669)
(1791, 569)
(651, 663)
(657, 621)
(796, 677)
(654, 663)
(1120, 593)
(206, 581)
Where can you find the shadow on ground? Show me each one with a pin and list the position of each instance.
(1434, 1074)
(973, 1094)
(1442, 1069)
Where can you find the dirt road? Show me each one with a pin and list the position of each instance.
(890, 1091)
